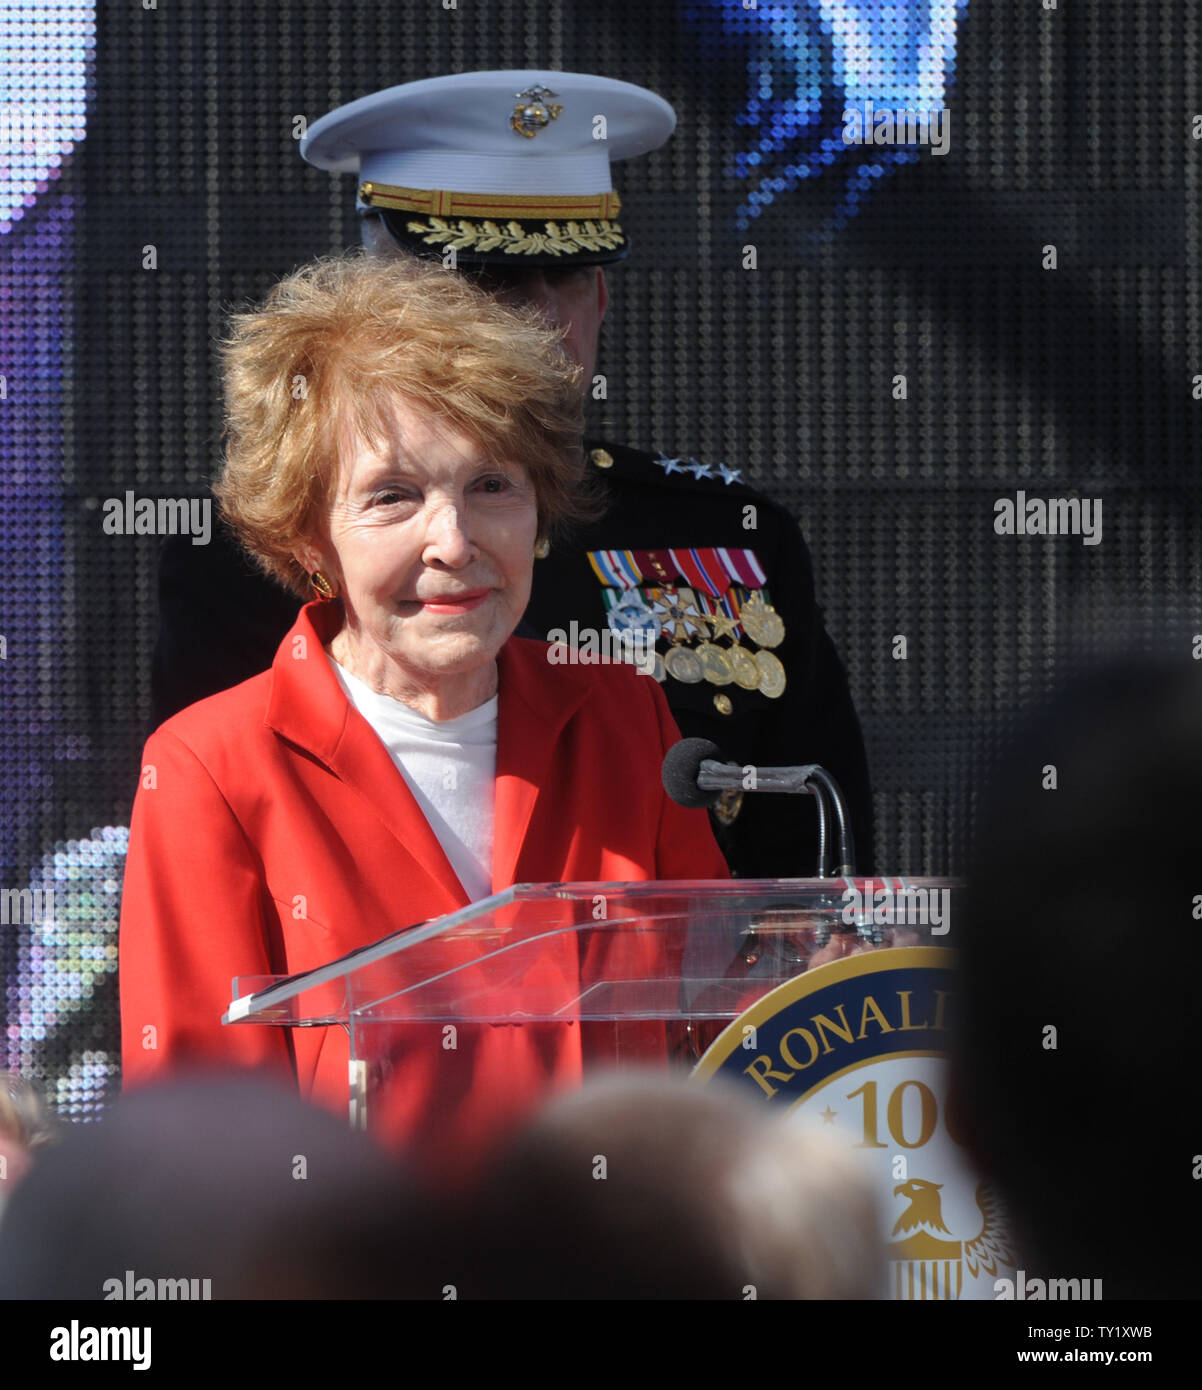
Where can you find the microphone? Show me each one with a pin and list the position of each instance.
(682, 768)
(695, 773)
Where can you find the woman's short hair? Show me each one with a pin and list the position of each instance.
(337, 344)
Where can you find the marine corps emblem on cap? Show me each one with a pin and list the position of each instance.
(533, 111)
(439, 166)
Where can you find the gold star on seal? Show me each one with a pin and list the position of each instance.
(828, 1116)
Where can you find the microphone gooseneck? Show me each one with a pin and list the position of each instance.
(695, 773)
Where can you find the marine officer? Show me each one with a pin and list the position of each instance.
(507, 177)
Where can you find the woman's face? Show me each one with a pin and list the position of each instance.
(431, 543)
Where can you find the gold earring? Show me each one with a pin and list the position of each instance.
(542, 548)
(322, 586)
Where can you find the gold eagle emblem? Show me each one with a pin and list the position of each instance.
(928, 1267)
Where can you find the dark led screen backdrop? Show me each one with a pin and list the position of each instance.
(892, 339)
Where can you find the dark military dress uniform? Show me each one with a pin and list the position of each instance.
(221, 621)
(659, 508)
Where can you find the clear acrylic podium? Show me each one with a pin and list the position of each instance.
(460, 1026)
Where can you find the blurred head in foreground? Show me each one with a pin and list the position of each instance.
(1081, 945)
(24, 1130)
(233, 1181)
(644, 1186)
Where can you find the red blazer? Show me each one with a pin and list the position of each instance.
(272, 833)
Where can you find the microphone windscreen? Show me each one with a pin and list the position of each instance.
(682, 763)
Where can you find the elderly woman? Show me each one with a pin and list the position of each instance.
(401, 446)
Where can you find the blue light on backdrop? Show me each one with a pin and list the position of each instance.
(806, 65)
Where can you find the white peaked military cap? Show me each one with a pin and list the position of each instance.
(509, 168)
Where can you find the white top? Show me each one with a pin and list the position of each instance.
(450, 768)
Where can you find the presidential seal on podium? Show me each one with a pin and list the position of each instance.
(858, 1050)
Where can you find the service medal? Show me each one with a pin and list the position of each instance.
(683, 664)
(644, 659)
(715, 664)
(772, 675)
(722, 625)
(632, 618)
(763, 623)
(678, 614)
(743, 668)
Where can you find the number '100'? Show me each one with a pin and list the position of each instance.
(928, 1116)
